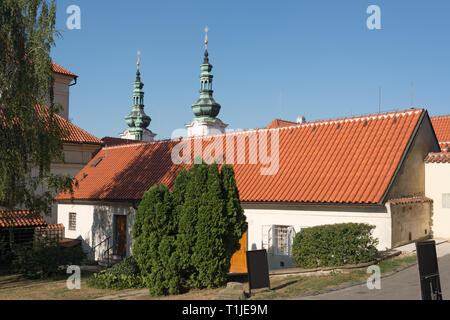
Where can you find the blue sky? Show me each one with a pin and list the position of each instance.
(272, 59)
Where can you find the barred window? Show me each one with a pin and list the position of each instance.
(283, 238)
(72, 221)
(446, 200)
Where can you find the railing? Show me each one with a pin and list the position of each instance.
(107, 239)
(107, 252)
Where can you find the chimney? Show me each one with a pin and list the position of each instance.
(301, 119)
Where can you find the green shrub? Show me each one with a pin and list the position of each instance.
(124, 275)
(44, 259)
(185, 238)
(334, 245)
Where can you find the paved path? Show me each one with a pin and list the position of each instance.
(403, 285)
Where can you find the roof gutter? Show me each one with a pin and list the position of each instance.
(72, 84)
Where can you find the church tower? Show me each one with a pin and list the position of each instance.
(206, 108)
(137, 120)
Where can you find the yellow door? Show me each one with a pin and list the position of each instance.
(239, 259)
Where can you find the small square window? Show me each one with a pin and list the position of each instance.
(72, 221)
(446, 200)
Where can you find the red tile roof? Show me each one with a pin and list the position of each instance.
(410, 200)
(441, 125)
(441, 157)
(76, 134)
(111, 141)
(278, 123)
(58, 69)
(351, 160)
(20, 218)
(59, 226)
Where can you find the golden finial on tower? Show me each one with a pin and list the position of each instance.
(138, 59)
(206, 37)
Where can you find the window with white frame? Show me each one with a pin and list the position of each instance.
(446, 200)
(72, 221)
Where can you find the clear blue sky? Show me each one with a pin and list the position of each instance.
(272, 59)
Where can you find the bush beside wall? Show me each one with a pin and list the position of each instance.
(334, 245)
(124, 275)
(45, 259)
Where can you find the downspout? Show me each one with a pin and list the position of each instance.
(72, 84)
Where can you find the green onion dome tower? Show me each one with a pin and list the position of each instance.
(137, 120)
(206, 109)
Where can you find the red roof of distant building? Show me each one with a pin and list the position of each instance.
(58, 69)
(351, 160)
(20, 218)
(410, 200)
(441, 125)
(278, 123)
(440, 157)
(76, 134)
(112, 141)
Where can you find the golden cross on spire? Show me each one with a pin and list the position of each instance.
(138, 60)
(206, 37)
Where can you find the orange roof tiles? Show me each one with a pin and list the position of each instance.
(20, 218)
(58, 69)
(58, 226)
(112, 141)
(441, 157)
(441, 127)
(75, 133)
(351, 160)
(278, 123)
(410, 200)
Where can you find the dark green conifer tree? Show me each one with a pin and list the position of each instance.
(187, 221)
(154, 231)
(210, 253)
(237, 224)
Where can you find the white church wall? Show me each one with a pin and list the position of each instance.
(261, 220)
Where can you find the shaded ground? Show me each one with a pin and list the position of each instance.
(13, 287)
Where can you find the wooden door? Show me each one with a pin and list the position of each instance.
(239, 259)
(120, 247)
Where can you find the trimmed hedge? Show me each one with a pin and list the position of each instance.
(334, 245)
(124, 275)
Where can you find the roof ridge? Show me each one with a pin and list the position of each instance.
(296, 126)
(441, 116)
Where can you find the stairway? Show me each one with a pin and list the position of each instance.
(113, 259)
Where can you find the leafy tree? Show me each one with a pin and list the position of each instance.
(29, 133)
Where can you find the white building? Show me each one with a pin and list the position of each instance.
(366, 169)
(437, 186)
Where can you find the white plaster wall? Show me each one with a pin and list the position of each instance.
(85, 218)
(437, 183)
(259, 220)
(95, 222)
